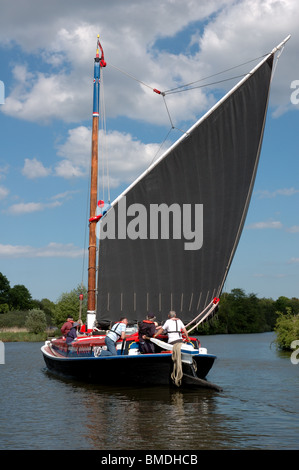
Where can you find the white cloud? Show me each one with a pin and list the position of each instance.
(3, 171)
(64, 196)
(52, 250)
(35, 169)
(271, 224)
(3, 192)
(41, 98)
(278, 192)
(75, 152)
(59, 85)
(29, 207)
(293, 229)
(128, 157)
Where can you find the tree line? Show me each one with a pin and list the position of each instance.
(238, 312)
(246, 313)
(16, 302)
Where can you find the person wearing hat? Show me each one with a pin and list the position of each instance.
(147, 329)
(72, 334)
(67, 326)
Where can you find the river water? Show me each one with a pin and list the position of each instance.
(257, 409)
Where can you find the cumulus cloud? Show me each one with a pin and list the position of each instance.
(58, 86)
(52, 250)
(127, 156)
(270, 224)
(23, 208)
(35, 169)
(293, 229)
(3, 192)
(29, 207)
(265, 194)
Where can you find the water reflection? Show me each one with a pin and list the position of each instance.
(148, 418)
(258, 408)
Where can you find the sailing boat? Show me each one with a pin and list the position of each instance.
(203, 184)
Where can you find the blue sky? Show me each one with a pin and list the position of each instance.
(46, 65)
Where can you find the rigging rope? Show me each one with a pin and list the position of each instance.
(182, 88)
(202, 86)
(214, 75)
(134, 78)
(172, 90)
(280, 51)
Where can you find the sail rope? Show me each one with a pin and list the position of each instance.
(280, 51)
(176, 90)
(172, 90)
(204, 314)
(177, 373)
(183, 88)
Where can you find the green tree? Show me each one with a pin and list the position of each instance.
(19, 298)
(268, 312)
(286, 328)
(36, 321)
(282, 303)
(4, 293)
(68, 305)
(241, 313)
(49, 308)
(294, 304)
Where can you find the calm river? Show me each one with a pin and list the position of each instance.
(258, 408)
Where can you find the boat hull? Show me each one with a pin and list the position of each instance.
(143, 369)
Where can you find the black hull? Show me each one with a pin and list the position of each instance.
(147, 369)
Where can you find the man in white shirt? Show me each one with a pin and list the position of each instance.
(117, 331)
(174, 327)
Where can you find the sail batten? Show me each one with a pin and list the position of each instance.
(184, 216)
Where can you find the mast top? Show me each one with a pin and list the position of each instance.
(97, 54)
(99, 48)
(280, 45)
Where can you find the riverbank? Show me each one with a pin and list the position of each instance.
(14, 334)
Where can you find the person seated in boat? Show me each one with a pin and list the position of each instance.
(146, 330)
(117, 331)
(72, 334)
(67, 326)
(174, 327)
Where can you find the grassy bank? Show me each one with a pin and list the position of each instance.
(9, 335)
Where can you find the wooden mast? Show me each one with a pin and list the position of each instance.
(92, 247)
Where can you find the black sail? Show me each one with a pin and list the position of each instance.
(209, 173)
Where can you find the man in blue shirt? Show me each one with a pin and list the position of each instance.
(117, 331)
